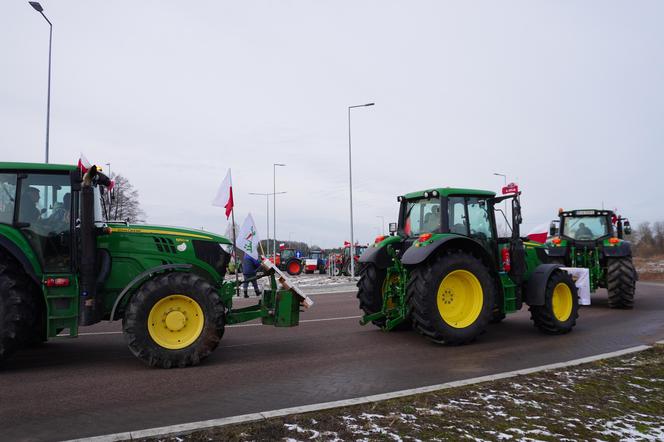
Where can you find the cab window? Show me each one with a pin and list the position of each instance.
(457, 215)
(7, 197)
(422, 216)
(478, 216)
(44, 214)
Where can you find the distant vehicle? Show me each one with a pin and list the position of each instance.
(340, 262)
(315, 261)
(288, 259)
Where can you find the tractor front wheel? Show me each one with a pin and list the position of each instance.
(451, 298)
(175, 320)
(561, 305)
(621, 282)
(294, 267)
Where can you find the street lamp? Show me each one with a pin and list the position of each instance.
(37, 7)
(382, 219)
(267, 215)
(350, 180)
(274, 207)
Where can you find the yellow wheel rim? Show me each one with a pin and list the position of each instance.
(562, 302)
(460, 298)
(175, 322)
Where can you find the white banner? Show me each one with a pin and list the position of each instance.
(248, 239)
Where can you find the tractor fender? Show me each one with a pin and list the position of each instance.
(536, 285)
(620, 250)
(14, 251)
(415, 255)
(556, 252)
(377, 256)
(138, 280)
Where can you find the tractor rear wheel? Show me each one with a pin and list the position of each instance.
(175, 320)
(451, 298)
(621, 282)
(370, 292)
(561, 305)
(294, 267)
(18, 317)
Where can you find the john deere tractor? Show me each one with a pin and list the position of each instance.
(593, 239)
(444, 271)
(63, 267)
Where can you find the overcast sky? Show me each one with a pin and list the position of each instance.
(565, 97)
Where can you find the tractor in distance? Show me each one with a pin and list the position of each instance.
(316, 261)
(594, 239)
(62, 267)
(288, 260)
(339, 263)
(444, 272)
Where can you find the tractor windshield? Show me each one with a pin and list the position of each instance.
(587, 228)
(422, 216)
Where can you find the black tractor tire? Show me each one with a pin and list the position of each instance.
(18, 315)
(369, 291)
(336, 271)
(370, 294)
(294, 267)
(621, 282)
(544, 316)
(135, 323)
(497, 316)
(423, 288)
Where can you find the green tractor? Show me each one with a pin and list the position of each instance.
(593, 239)
(444, 271)
(62, 267)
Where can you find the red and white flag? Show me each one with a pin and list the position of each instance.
(539, 233)
(224, 196)
(83, 163)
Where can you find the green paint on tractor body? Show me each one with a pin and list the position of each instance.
(44, 245)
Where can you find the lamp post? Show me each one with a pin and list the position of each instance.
(350, 181)
(37, 7)
(267, 215)
(382, 220)
(274, 207)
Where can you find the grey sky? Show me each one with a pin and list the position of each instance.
(566, 96)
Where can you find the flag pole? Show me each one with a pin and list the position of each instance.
(237, 269)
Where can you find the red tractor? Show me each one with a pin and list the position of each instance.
(339, 263)
(288, 260)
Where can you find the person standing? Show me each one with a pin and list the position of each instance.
(250, 266)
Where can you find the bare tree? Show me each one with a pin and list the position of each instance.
(124, 203)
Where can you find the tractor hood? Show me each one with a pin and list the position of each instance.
(177, 232)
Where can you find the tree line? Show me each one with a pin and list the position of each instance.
(648, 239)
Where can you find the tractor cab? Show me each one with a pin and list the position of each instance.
(591, 226)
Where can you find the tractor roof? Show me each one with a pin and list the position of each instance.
(586, 212)
(451, 191)
(37, 167)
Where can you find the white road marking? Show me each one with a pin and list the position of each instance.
(229, 326)
(252, 417)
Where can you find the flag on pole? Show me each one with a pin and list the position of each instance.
(539, 233)
(224, 196)
(248, 239)
(83, 163)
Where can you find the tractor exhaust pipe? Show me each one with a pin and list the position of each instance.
(89, 311)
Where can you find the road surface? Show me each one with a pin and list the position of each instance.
(92, 385)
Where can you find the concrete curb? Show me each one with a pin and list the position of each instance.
(252, 417)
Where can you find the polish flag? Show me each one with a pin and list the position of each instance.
(539, 233)
(83, 163)
(224, 196)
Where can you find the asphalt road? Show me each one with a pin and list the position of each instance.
(92, 385)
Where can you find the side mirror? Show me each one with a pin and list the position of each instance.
(627, 228)
(552, 230)
(393, 228)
